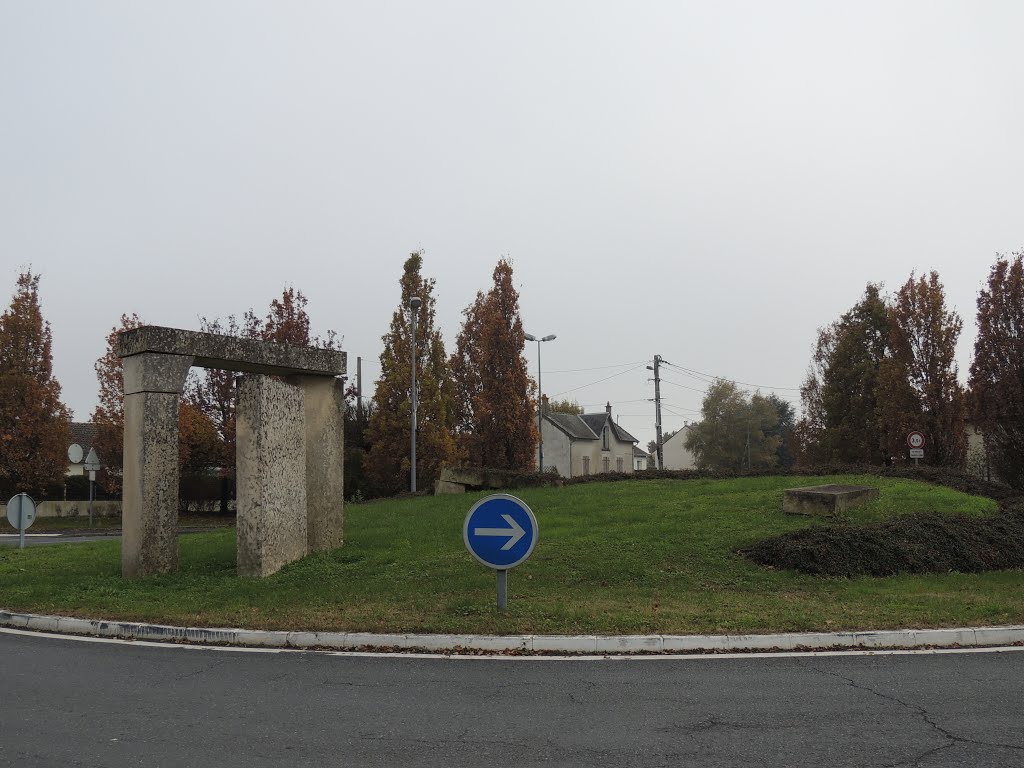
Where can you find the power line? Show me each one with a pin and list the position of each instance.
(606, 378)
(598, 368)
(732, 381)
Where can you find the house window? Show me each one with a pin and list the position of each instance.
(606, 464)
(618, 464)
(604, 439)
(586, 465)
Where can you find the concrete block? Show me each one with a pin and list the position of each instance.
(500, 642)
(359, 640)
(883, 639)
(149, 535)
(688, 643)
(324, 401)
(271, 476)
(999, 635)
(945, 638)
(630, 644)
(152, 372)
(829, 500)
(565, 643)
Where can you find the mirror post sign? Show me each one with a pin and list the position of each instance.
(500, 531)
(21, 513)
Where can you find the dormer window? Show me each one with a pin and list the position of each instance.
(604, 439)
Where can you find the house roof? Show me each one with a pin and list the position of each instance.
(640, 453)
(588, 426)
(572, 425)
(83, 433)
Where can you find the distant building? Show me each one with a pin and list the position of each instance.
(674, 452)
(641, 459)
(588, 444)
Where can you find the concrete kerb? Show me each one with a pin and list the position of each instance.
(542, 644)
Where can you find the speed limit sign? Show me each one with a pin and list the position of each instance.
(915, 440)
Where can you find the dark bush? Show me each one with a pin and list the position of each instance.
(919, 543)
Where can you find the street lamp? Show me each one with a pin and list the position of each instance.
(414, 305)
(540, 395)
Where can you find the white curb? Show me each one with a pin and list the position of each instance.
(588, 644)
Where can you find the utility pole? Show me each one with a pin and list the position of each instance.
(657, 407)
(359, 390)
(414, 306)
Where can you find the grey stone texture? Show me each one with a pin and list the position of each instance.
(271, 475)
(324, 400)
(211, 350)
(149, 543)
(301, 468)
(826, 500)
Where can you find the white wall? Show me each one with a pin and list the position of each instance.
(674, 452)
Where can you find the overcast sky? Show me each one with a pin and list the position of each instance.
(710, 182)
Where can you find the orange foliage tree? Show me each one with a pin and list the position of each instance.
(495, 411)
(34, 423)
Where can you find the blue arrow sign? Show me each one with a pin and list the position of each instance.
(500, 531)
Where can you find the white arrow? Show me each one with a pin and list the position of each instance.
(515, 533)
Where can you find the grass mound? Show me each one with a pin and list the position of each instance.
(918, 543)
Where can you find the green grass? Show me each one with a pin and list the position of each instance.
(625, 557)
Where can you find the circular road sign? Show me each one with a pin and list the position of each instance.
(21, 511)
(75, 453)
(915, 440)
(500, 531)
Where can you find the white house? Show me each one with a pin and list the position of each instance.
(587, 444)
(641, 459)
(674, 451)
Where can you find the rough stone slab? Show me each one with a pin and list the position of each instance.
(271, 476)
(150, 372)
(211, 350)
(826, 499)
(630, 644)
(149, 524)
(324, 400)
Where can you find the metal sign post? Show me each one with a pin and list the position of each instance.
(500, 531)
(916, 442)
(92, 465)
(21, 513)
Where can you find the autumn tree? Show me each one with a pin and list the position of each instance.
(783, 430)
(34, 423)
(919, 387)
(840, 395)
(389, 431)
(997, 373)
(495, 413)
(108, 415)
(735, 432)
(565, 405)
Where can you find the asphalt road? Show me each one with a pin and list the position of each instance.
(69, 703)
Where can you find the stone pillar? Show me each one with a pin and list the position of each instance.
(325, 460)
(152, 390)
(271, 475)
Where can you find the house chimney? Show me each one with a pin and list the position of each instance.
(544, 404)
(608, 410)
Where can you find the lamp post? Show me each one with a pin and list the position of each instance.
(540, 394)
(414, 305)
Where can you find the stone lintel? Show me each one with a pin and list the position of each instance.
(211, 350)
